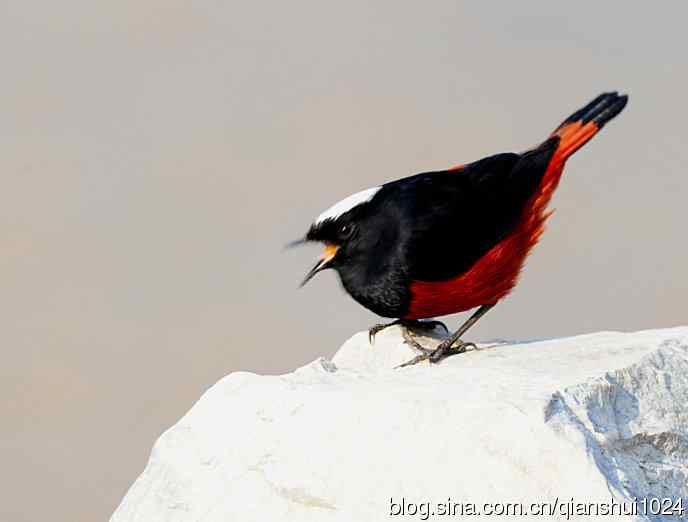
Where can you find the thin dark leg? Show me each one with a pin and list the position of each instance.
(447, 347)
(426, 326)
(443, 349)
(411, 341)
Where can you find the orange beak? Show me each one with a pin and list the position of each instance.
(323, 262)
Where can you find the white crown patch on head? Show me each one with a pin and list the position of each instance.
(347, 204)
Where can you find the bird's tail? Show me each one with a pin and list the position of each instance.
(577, 129)
(566, 139)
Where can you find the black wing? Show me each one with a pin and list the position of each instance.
(452, 218)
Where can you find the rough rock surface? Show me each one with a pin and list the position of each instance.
(592, 418)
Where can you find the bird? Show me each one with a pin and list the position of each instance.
(448, 241)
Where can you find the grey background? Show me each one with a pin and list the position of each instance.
(156, 156)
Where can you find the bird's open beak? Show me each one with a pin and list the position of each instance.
(322, 264)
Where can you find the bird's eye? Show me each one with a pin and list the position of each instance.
(345, 231)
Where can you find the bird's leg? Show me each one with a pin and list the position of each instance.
(411, 341)
(377, 328)
(406, 324)
(454, 344)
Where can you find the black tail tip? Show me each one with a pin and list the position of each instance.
(600, 110)
(615, 103)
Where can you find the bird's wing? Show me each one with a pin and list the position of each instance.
(454, 217)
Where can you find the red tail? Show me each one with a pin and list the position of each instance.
(573, 133)
(583, 124)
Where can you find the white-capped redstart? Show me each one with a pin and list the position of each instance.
(443, 242)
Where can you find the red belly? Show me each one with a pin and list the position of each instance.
(494, 275)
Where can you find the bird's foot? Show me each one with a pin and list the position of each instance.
(413, 343)
(377, 328)
(444, 350)
(423, 326)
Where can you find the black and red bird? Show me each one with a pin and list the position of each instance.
(443, 242)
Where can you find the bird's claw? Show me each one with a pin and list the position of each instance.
(427, 326)
(443, 351)
(411, 341)
(377, 328)
(415, 360)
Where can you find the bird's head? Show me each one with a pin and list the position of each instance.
(339, 229)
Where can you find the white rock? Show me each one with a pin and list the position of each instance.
(589, 418)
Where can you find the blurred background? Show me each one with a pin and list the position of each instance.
(157, 155)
